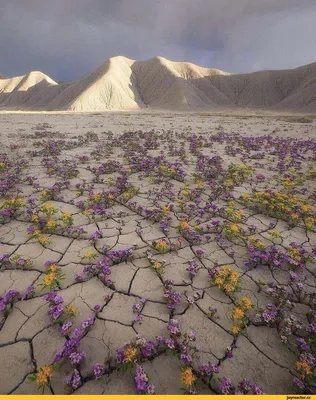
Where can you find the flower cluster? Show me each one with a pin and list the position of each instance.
(47, 219)
(142, 382)
(188, 379)
(137, 310)
(239, 316)
(118, 256)
(283, 206)
(193, 268)
(74, 380)
(173, 170)
(129, 193)
(15, 261)
(53, 192)
(157, 265)
(233, 214)
(183, 344)
(162, 246)
(243, 387)
(8, 299)
(133, 353)
(58, 311)
(43, 377)
(10, 206)
(173, 298)
(225, 278)
(52, 277)
(233, 231)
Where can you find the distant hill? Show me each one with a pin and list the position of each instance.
(125, 84)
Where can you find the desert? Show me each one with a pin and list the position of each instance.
(150, 251)
(158, 198)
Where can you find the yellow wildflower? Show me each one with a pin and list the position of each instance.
(258, 244)
(51, 224)
(44, 375)
(304, 367)
(89, 254)
(157, 265)
(238, 313)
(275, 233)
(98, 197)
(53, 268)
(228, 288)
(219, 281)
(49, 279)
(245, 303)
(35, 219)
(165, 210)
(71, 309)
(294, 216)
(161, 245)
(184, 225)
(226, 279)
(235, 329)
(235, 228)
(185, 190)
(310, 223)
(43, 239)
(66, 215)
(229, 182)
(48, 207)
(130, 354)
(187, 377)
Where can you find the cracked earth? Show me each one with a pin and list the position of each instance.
(145, 252)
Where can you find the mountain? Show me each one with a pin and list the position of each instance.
(125, 84)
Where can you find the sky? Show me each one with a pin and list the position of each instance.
(67, 39)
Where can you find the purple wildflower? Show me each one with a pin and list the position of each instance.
(225, 385)
(29, 293)
(141, 382)
(77, 358)
(298, 382)
(88, 322)
(98, 370)
(148, 350)
(74, 380)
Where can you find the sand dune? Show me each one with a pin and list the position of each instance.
(125, 84)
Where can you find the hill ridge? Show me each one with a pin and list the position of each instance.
(121, 83)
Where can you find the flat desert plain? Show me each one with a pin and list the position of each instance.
(157, 252)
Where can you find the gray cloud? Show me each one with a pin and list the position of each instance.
(67, 39)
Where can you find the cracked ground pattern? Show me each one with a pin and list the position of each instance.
(156, 253)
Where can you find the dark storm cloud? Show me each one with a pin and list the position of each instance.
(68, 38)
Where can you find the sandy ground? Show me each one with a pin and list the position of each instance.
(240, 121)
(29, 338)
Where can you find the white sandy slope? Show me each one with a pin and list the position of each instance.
(23, 90)
(125, 84)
